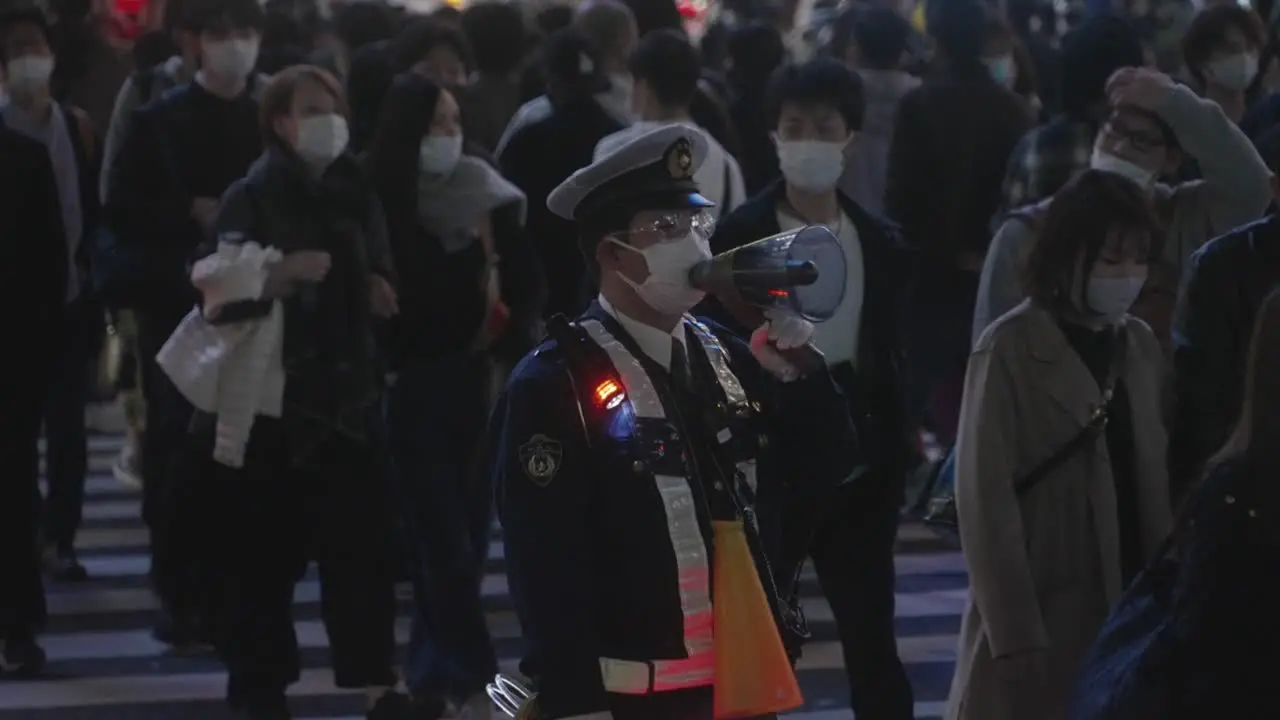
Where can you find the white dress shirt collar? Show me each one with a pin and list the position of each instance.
(653, 342)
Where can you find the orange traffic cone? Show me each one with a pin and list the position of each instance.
(753, 673)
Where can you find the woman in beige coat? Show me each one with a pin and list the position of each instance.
(1046, 563)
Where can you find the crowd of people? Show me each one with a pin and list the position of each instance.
(1060, 255)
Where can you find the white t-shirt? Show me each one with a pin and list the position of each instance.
(711, 175)
(837, 338)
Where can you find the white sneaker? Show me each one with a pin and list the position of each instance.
(125, 468)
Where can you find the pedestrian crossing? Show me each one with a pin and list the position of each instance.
(104, 665)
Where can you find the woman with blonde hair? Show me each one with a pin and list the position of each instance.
(307, 481)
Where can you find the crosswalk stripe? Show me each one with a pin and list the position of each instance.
(105, 665)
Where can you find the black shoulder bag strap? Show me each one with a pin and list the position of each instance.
(582, 363)
(1089, 434)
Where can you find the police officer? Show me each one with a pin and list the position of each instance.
(621, 439)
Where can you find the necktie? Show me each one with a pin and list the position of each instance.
(680, 367)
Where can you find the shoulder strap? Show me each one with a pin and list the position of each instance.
(1090, 432)
(573, 342)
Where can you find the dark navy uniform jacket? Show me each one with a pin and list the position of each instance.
(589, 553)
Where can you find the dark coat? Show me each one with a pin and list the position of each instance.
(585, 492)
(951, 144)
(1225, 284)
(878, 398)
(33, 248)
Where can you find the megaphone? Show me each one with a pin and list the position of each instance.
(799, 272)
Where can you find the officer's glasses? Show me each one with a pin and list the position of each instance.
(677, 226)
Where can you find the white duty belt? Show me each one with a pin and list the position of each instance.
(642, 677)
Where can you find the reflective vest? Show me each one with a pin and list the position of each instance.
(690, 550)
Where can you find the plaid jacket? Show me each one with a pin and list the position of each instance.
(1045, 159)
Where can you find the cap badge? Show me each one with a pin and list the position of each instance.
(679, 160)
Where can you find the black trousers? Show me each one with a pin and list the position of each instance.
(692, 704)
(167, 420)
(22, 602)
(67, 454)
(277, 517)
(853, 556)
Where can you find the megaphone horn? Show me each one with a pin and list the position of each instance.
(719, 276)
(799, 272)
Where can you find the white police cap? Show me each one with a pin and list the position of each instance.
(653, 171)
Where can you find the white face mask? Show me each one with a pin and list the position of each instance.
(1111, 297)
(667, 288)
(322, 138)
(1234, 72)
(439, 154)
(29, 73)
(231, 59)
(1003, 70)
(1106, 162)
(811, 165)
(623, 84)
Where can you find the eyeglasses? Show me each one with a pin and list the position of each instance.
(678, 226)
(1141, 141)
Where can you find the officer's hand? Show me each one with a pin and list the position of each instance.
(787, 332)
(782, 347)
(307, 265)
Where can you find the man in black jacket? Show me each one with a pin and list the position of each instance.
(27, 61)
(814, 110)
(1223, 287)
(179, 155)
(33, 253)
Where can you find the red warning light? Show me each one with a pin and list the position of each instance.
(779, 293)
(609, 394)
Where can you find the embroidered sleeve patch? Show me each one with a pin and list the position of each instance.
(541, 457)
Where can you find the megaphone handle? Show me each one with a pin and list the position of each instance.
(805, 359)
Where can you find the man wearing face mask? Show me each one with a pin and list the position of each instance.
(816, 110)
(149, 83)
(114, 278)
(1221, 51)
(1058, 150)
(1153, 122)
(178, 157)
(619, 443)
(28, 62)
(35, 262)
